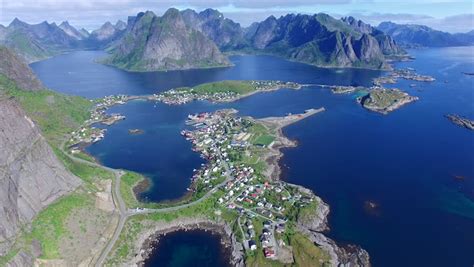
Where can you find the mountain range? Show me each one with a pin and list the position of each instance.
(412, 35)
(189, 39)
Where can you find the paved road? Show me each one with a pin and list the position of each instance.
(124, 213)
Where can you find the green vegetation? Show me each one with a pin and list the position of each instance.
(306, 254)
(8, 257)
(385, 100)
(56, 114)
(125, 244)
(264, 140)
(89, 174)
(48, 227)
(128, 182)
(237, 87)
(24, 46)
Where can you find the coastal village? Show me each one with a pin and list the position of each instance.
(230, 143)
(89, 133)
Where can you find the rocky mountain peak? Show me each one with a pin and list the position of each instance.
(120, 25)
(16, 23)
(211, 13)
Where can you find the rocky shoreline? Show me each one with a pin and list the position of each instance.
(317, 224)
(147, 241)
(315, 227)
(460, 121)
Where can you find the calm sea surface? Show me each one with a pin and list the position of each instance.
(404, 162)
(189, 248)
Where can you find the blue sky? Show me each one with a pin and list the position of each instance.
(447, 15)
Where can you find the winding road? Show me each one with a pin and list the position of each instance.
(124, 213)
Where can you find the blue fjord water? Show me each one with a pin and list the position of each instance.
(189, 248)
(404, 162)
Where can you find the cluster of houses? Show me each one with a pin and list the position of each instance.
(89, 134)
(86, 135)
(183, 96)
(256, 200)
(274, 85)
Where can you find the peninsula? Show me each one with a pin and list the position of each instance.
(265, 220)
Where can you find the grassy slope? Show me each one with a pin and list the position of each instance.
(238, 87)
(228, 86)
(56, 115)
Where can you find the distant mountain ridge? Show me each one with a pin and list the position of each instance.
(412, 35)
(188, 39)
(35, 42)
(322, 40)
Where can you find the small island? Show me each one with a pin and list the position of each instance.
(460, 121)
(407, 74)
(384, 100)
(135, 131)
(341, 89)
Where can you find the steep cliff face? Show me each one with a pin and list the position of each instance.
(31, 177)
(225, 33)
(14, 68)
(322, 40)
(164, 43)
(386, 43)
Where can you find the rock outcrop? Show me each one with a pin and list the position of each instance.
(164, 43)
(313, 227)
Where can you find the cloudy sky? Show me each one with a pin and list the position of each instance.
(446, 15)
